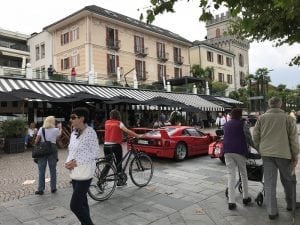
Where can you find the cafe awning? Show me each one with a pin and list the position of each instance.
(59, 90)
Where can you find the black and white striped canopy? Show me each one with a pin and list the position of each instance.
(57, 90)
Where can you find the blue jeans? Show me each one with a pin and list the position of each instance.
(79, 202)
(28, 139)
(42, 163)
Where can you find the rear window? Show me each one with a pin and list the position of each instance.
(169, 130)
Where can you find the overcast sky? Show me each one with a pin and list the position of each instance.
(32, 15)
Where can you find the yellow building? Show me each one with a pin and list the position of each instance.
(116, 48)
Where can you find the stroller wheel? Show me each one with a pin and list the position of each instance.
(240, 188)
(259, 199)
(226, 192)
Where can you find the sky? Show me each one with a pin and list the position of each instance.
(33, 15)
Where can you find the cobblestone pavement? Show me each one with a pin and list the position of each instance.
(182, 193)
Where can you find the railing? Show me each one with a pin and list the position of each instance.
(163, 56)
(179, 60)
(141, 75)
(141, 52)
(14, 46)
(113, 44)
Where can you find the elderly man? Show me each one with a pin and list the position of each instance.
(275, 137)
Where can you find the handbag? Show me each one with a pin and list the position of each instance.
(42, 148)
(82, 172)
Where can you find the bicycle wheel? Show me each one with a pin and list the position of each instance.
(102, 186)
(141, 170)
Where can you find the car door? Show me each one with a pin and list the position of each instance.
(199, 142)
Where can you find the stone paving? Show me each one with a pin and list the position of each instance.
(182, 193)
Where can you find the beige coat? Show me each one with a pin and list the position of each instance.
(275, 135)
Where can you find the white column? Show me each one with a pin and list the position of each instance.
(29, 71)
(207, 88)
(194, 89)
(168, 87)
(23, 65)
(91, 75)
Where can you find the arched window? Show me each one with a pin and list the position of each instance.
(241, 60)
(218, 34)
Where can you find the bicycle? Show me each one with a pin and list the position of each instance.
(106, 177)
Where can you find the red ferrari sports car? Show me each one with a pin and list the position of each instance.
(176, 142)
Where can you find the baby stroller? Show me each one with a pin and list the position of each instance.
(255, 172)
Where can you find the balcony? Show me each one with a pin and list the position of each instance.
(179, 60)
(113, 44)
(163, 56)
(141, 52)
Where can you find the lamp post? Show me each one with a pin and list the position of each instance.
(264, 88)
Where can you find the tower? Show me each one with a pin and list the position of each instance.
(217, 35)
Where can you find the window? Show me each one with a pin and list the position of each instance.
(177, 55)
(75, 60)
(218, 34)
(3, 104)
(221, 77)
(210, 56)
(138, 44)
(37, 52)
(112, 40)
(242, 79)
(220, 59)
(228, 61)
(140, 67)
(177, 72)
(15, 104)
(241, 60)
(160, 50)
(229, 79)
(42, 51)
(65, 63)
(64, 38)
(161, 72)
(74, 34)
(112, 64)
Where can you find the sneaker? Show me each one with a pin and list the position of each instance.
(54, 191)
(273, 217)
(231, 206)
(39, 192)
(246, 201)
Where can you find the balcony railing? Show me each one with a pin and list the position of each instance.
(163, 56)
(142, 52)
(179, 60)
(141, 75)
(113, 44)
(14, 46)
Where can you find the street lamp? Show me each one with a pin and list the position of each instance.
(264, 88)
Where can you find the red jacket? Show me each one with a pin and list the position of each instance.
(113, 132)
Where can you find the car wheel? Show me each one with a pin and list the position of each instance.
(222, 158)
(180, 151)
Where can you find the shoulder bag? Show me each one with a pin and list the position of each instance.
(42, 148)
(84, 171)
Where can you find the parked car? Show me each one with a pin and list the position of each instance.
(215, 149)
(176, 142)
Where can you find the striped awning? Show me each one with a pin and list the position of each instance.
(58, 89)
(229, 100)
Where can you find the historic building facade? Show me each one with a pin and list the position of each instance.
(115, 48)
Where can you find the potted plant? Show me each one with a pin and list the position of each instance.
(14, 132)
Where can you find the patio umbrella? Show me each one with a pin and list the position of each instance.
(79, 96)
(8, 97)
(25, 94)
(124, 99)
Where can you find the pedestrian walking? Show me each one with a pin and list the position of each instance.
(220, 121)
(83, 150)
(73, 74)
(51, 134)
(237, 139)
(275, 136)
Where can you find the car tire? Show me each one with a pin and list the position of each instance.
(181, 151)
(222, 158)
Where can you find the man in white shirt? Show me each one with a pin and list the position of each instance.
(221, 120)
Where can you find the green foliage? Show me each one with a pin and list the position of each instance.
(273, 20)
(219, 88)
(14, 128)
(176, 118)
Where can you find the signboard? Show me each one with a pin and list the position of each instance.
(256, 97)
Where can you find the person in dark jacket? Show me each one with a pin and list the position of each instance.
(235, 146)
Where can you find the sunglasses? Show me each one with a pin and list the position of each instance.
(74, 117)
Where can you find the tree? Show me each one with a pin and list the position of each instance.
(205, 74)
(273, 20)
(219, 88)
